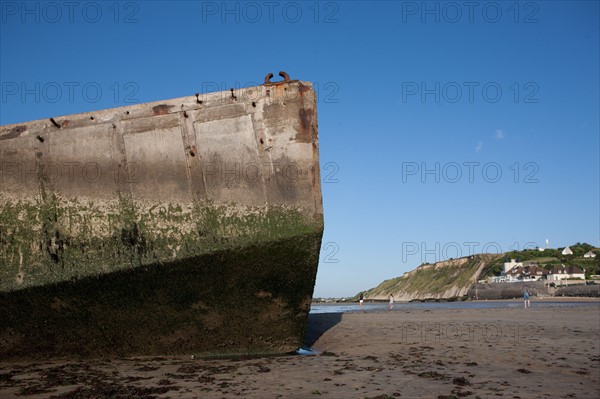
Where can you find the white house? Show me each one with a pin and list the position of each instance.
(509, 265)
(567, 251)
(589, 254)
(563, 272)
(531, 272)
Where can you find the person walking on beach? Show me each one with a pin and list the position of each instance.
(361, 299)
(391, 301)
(526, 295)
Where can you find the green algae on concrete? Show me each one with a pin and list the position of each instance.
(58, 240)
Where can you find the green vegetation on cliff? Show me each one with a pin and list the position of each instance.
(443, 279)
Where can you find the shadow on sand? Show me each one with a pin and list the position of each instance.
(318, 324)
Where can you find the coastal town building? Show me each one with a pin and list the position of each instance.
(509, 265)
(498, 279)
(589, 254)
(567, 251)
(509, 278)
(563, 272)
(535, 272)
(530, 272)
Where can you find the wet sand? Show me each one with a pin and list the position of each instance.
(551, 352)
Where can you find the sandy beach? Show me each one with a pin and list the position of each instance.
(543, 352)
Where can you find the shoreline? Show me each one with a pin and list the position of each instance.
(533, 298)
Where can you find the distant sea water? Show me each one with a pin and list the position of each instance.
(400, 306)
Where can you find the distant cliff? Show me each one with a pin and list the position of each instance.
(446, 279)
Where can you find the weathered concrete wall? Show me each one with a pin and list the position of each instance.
(506, 290)
(576, 290)
(181, 185)
(515, 290)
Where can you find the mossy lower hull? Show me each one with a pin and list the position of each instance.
(250, 300)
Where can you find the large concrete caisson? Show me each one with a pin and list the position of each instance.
(185, 226)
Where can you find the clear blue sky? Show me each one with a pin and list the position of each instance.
(445, 128)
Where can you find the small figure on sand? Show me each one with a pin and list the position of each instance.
(361, 299)
(526, 295)
(391, 302)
